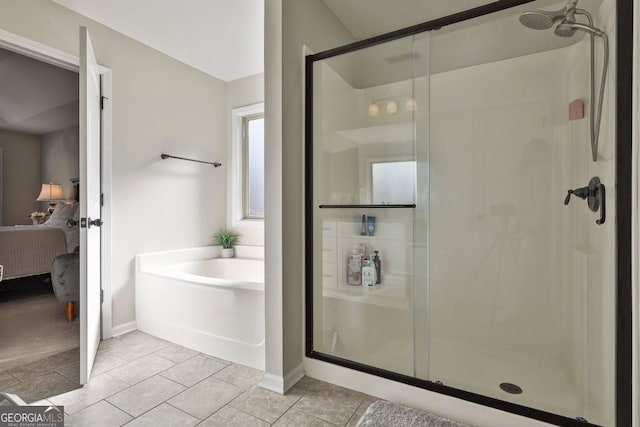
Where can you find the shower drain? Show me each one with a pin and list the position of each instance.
(510, 388)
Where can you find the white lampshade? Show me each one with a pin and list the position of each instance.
(411, 104)
(392, 107)
(373, 109)
(50, 193)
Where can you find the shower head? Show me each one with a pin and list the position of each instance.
(544, 19)
(568, 29)
(541, 19)
(564, 29)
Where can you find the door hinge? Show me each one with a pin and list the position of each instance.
(101, 199)
(101, 296)
(102, 98)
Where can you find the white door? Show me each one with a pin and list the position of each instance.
(89, 206)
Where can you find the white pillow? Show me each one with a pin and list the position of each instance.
(62, 213)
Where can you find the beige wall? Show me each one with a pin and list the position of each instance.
(59, 156)
(289, 25)
(21, 176)
(159, 105)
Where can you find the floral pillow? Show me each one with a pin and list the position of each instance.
(62, 213)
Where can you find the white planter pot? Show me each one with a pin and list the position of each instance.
(227, 253)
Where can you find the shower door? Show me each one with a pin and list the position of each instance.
(449, 155)
(363, 200)
(521, 301)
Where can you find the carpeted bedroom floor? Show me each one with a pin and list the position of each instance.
(33, 325)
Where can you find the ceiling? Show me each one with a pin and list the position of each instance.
(223, 38)
(36, 97)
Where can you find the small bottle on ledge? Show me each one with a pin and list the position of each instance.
(363, 228)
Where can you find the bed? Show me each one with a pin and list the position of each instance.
(27, 250)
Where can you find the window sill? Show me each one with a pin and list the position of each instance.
(254, 223)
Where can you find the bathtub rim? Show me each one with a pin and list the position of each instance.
(162, 264)
(196, 279)
(152, 260)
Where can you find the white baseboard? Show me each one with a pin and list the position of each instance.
(280, 384)
(124, 328)
(273, 383)
(293, 377)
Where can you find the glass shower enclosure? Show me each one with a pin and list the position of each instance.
(440, 249)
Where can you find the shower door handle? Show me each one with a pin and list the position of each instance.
(594, 193)
(583, 193)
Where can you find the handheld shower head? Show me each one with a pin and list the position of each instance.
(565, 29)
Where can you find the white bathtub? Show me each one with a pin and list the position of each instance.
(194, 298)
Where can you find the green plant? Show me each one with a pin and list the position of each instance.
(227, 238)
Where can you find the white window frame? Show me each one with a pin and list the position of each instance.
(238, 162)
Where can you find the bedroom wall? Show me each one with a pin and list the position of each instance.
(240, 93)
(21, 176)
(160, 105)
(59, 158)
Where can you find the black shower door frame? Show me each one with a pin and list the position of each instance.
(623, 218)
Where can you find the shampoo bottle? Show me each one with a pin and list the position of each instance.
(368, 273)
(371, 225)
(354, 267)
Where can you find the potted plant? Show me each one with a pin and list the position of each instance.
(227, 239)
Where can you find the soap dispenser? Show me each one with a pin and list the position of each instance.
(377, 263)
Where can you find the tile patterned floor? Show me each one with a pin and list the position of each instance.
(140, 380)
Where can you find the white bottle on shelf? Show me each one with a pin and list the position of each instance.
(368, 273)
(354, 267)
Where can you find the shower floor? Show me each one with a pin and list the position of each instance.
(544, 386)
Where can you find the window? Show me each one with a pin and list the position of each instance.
(247, 180)
(253, 179)
(393, 182)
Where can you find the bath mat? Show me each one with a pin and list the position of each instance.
(388, 414)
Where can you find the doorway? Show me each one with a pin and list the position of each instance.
(98, 147)
(39, 136)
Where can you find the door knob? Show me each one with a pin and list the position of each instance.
(97, 222)
(71, 223)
